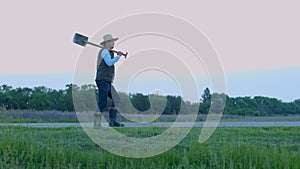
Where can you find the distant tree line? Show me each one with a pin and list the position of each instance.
(38, 98)
(251, 106)
(43, 98)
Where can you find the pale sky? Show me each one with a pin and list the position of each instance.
(249, 36)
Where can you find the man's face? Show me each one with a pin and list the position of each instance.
(110, 44)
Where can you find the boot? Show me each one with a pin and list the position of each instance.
(97, 120)
(113, 118)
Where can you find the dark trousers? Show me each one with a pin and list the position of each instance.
(106, 89)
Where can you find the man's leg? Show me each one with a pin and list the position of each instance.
(113, 110)
(97, 119)
(103, 89)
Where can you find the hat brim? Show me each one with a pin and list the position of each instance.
(114, 39)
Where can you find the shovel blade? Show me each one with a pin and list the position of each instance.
(80, 39)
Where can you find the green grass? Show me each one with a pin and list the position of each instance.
(266, 147)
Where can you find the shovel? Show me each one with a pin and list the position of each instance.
(83, 40)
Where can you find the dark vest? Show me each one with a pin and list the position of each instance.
(105, 72)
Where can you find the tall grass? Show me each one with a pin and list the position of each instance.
(268, 147)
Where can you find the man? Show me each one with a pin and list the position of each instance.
(104, 78)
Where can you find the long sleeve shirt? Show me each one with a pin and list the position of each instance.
(105, 54)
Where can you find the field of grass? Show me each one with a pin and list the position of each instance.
(267, 147)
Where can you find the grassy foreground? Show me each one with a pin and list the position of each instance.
(268, 147)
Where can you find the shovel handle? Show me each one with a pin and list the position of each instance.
(93, 44)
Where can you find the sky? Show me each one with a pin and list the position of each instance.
(257, 42)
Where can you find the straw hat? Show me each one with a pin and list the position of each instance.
(108, 37)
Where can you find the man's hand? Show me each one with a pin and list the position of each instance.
(119, 53)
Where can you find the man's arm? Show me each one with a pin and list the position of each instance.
(107, 58)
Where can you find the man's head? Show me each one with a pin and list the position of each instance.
(108, 41)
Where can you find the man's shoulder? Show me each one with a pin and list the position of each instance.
(103, 52)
